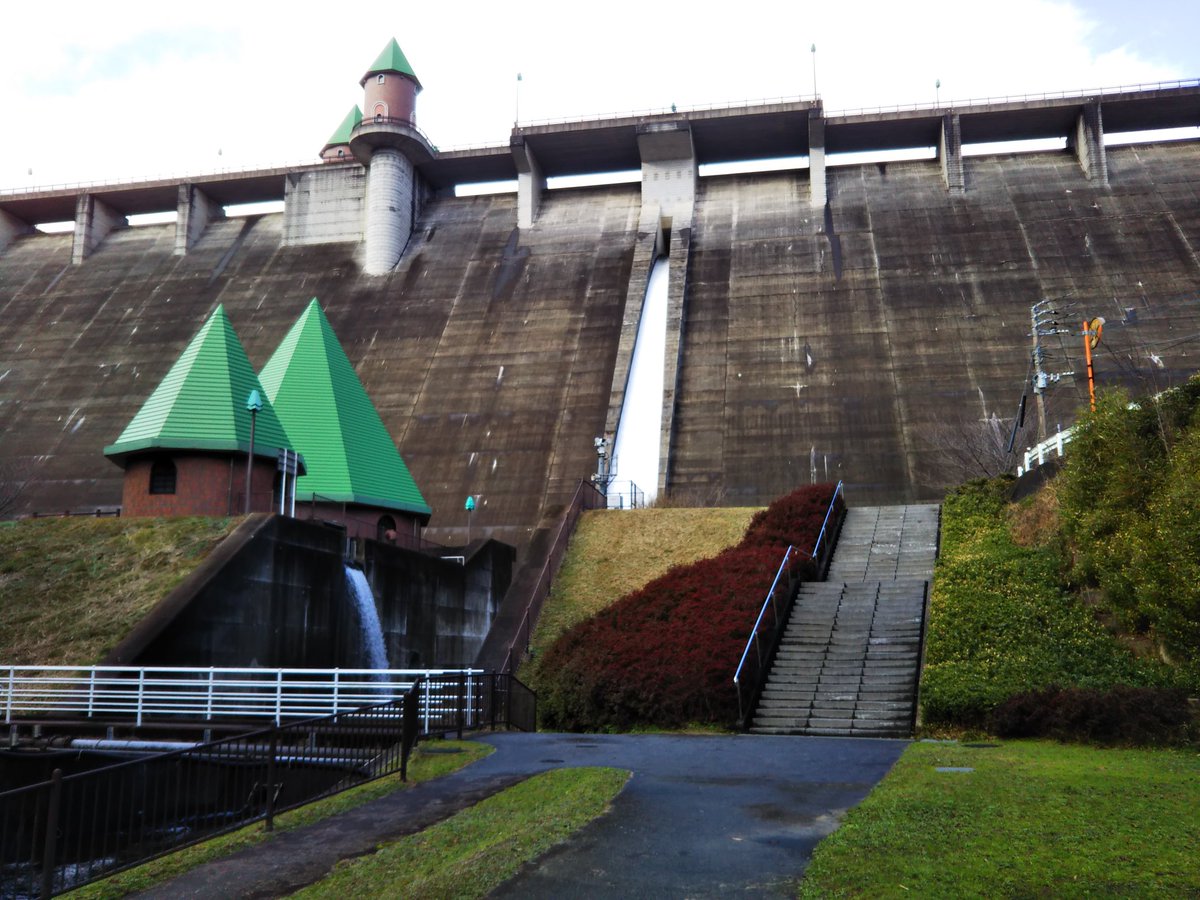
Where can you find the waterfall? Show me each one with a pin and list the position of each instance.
(638, 447)
(370, 631)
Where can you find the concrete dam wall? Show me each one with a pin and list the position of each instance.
(805, 338)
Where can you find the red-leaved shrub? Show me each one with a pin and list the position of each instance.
(665, 655)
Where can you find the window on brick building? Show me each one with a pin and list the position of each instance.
(162, 477)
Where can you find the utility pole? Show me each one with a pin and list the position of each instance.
(1044, 319)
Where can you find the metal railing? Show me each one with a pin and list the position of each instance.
(772, 616)
(625, 495)
(97, 512)
(668, 111)
(76, 828)
(1037, 456)
(586, 496)
(1098, 93)
(181, 176)
(393, 122)
(215, 694)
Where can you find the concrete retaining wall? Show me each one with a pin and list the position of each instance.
(278, 597)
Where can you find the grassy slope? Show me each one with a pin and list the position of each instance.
(478, 849)
(615, 552)
(71, 589)
(1035, 819)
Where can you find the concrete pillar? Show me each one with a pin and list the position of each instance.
(950, 153)
(93, 221)
(669, 174)
(531, 184)
(325, 206)
(10, 228)
(195, 210)
(1088, 142)
(816, 160)
(389, 217)
(678, 253)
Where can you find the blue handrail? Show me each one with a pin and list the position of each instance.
(832, 500)
(761, 613)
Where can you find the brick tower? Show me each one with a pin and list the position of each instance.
(388, 143)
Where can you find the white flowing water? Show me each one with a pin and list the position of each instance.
(638, 447)
(370, 631)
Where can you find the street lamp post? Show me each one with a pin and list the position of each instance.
(937, 92)
(253, 404)
(813, 50)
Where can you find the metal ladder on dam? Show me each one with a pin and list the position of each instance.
(849, 659)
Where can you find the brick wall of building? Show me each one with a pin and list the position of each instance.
(205, 485)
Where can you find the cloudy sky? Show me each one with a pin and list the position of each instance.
(92, 91)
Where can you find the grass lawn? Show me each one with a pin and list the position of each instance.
(476, 850)
(72, 588)
(421, 767)
(614, 552)
(1034, 819)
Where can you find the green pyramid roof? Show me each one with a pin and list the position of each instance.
(343, 132)
(201, 403)
(351, 457)
(392, 59)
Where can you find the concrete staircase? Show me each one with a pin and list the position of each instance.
(847, 664)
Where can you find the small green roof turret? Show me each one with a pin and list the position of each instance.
(392, 59)
(201, 403)
(351, 457)
(341, 137)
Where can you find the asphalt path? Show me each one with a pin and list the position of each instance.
(701, 816)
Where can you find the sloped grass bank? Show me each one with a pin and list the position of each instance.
(475, 851)
(71, 589)
(1033, 819)
(615, 552)
(1002, 622)
(664, 655)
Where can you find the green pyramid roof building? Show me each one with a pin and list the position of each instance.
(316, 393)
(343, 132)
(201, 403)
(392, 59)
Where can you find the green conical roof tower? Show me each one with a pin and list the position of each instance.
(343, 132)
(392, 59)
(201, 403)
(317, 395)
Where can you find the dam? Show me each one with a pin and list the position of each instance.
(823, 322)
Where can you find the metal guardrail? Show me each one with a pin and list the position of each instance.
(179, 176)
(1037, 456)
(586, 496)
(625, 495)
(628, 114)
(224, 694)
(76, 828)
(1098, 93)
(747, 679)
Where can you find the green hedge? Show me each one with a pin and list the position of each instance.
(1001, 622)
(1130, 505)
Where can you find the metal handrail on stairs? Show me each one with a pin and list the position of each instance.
(763, 639)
